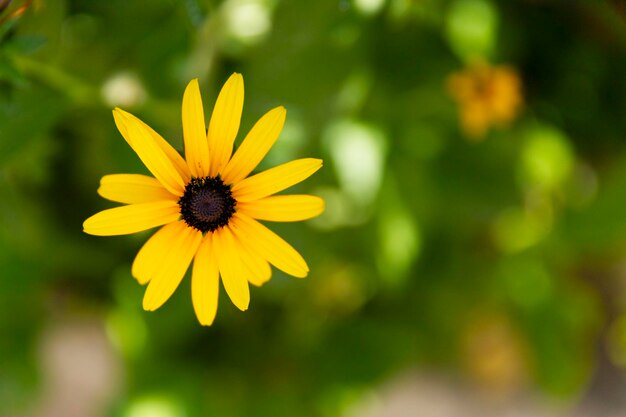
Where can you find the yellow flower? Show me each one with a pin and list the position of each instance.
(487, 96)
(207, 204)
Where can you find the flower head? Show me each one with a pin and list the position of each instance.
(487, 96)
(207, 204)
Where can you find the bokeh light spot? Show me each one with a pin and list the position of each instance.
(358, 153)
(546, 159)
(400, 243)
(247, 20)
(155, 406)
(123, 89)
(471, 27)
(368, 7)
(516, 229)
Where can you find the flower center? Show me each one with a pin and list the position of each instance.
(207, 204)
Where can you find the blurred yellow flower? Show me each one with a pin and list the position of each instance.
(487, 96)
(207, 204)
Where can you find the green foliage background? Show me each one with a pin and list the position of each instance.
(424, 231)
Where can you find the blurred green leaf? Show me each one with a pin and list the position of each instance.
(25, 44)
(12, 75)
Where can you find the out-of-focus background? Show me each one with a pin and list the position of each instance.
(472, 257)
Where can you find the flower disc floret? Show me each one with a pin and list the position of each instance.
(207, 204)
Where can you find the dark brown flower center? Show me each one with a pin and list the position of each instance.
(207, 204)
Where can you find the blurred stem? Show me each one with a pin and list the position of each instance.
(15, 13)
(204, 55)
(77, 90)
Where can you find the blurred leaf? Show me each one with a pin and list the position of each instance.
(9, 73)
(6, 27)
(25, 44)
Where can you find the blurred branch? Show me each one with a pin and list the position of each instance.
(4, 4)
(204, 54)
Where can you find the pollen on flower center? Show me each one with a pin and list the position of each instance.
(207, 204)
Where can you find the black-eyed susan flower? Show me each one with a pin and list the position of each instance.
(487, 96)
(207, 204)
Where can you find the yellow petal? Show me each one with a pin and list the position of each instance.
(224, 123)
(172, 267)
(131, 219)
(150, 153)
(255, 146)
(151, 255)
(283, 208)
(133, 188)
(205, 279)
(177, 160)
(269, 245)
(231, 269)
(258, 269)
(194, 131)
(275, 179)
